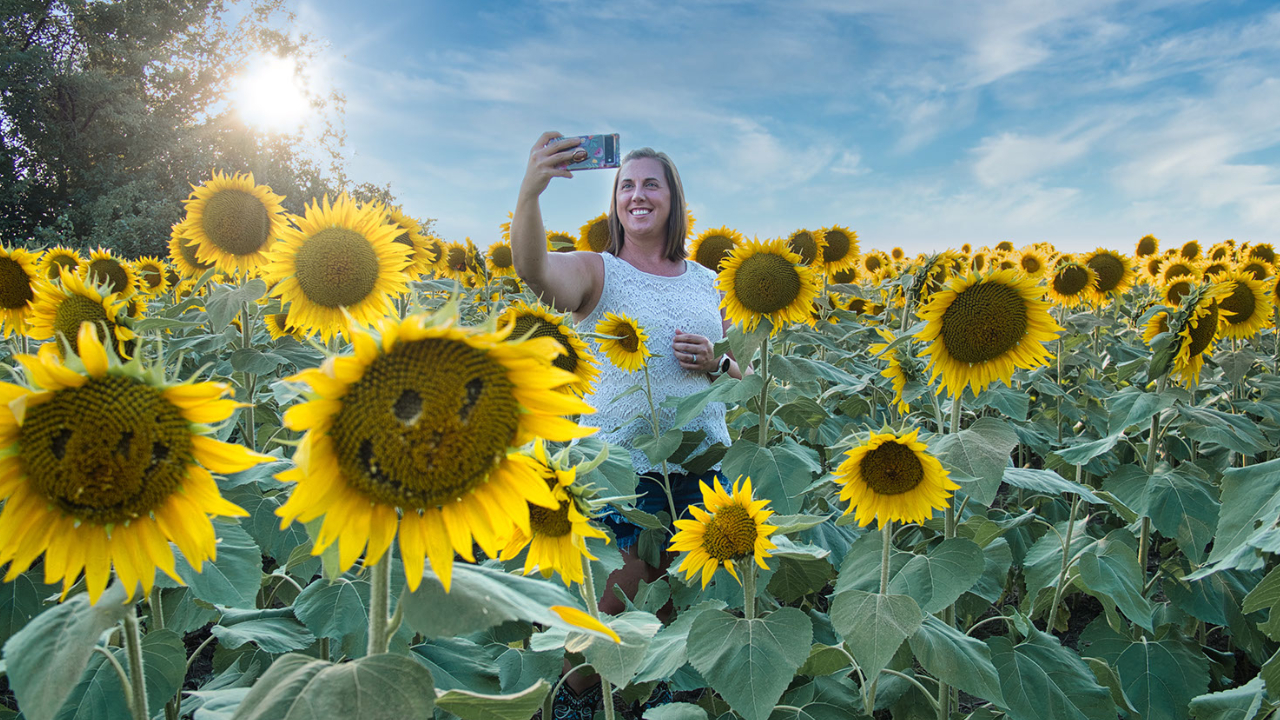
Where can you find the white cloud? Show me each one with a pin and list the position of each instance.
(1010, 157)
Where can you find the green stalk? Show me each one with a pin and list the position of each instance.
(250, 381)
(588, 588)
(749, 589)
(764, 392)
(1066, 558)
(653, 417)
(906, 310)
(948, 532)
(379, 604)
(137, 678)
(886, 540)
(1153, 446)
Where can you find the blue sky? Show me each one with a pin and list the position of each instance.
(924, 124)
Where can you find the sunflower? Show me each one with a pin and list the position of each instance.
(1198, 332)
(980, 328)
(840, 248)
(1247, 309)
(453, 261)
(500, 261)
(1005, 262)
(19, 275)
(432, 252)
(1150, 273)
(898, 254)
(1115, 272)
(1220, 252)
(893, 478)
(875, 261)
(1158, 323)
(339, 262)
(560, 242)
(847, 276)
(765, 279)
(1175, 266)
(730, 527)
(152, 274)
(1173, 291)
(1147, 245)
(899, 361)
(414, 431)
(1258, 268)
(809, 245)
(1190, 250)
(557, 537)
(530, 321)
(55, 259)
(106, 465)
(113, 274)
(1216, 268)
(966, 248)
(1031, 262)
(61, 308)
(233, 222)
(594, 236)
(422, 257)
(1004, 246)
(625, 343)
(1262, 251)
(712, 247)
(278, 326)
(182, 251)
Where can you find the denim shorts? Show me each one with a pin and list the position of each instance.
(685, 490)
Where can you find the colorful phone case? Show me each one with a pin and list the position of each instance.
(601, 152)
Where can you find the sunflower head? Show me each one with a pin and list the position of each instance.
(19, 276)
(1032, 262)
(1175, 290)
(1004, 246)
(182, 253)
(421, 256)
(112, 274)
(1114, 271)
(898, 254)
(57, 259)
(528, 321)
(1247, 309)
(1258, 268)
(594, 235)
(1262, 251)
(1175, 266)
(1194, 327)
(62, 308)
(560, 242)
(766, 280)
(892, 478)
(278, 326)
(840, 248)
(232, 222)
(1147, 245)
(623, 341)
(499, 261)
(710, 248)
(1221, 252)
(1217, 267)
(808, 245)
(153, 275)
(729, 528)
(1190, 250)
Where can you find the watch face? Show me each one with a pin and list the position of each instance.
(724, 363)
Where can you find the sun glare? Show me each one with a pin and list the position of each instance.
(269, 95)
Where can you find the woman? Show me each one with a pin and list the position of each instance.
(644, 274)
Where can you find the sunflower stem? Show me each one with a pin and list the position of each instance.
(1066, 557)
(379, 603)
(250, 381)
(653, 417)
(955, 412)
(588, 588)
(764, 392)
(886, 540)
(748, 590)
(906, 311)
(137, 678)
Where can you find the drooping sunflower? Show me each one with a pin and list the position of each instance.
(152, 274)
(982, 327)
(234, 222)
(62, 307)
(594, 236)
(1031, 262)
(1190, 250)
(729, 528)
(19, 277)
(560, 241)
(1115, 272)
(339, 262)
(114, 275)
(766, 280)
(1262, 251)
(107, 464)
(557, 537)
(1197, 333)
(414, 431)
(500, 261)
(55, 259)
(895, 359)
(530, 321)
(712, 247)
(422, 257)
(182, 252)
(1246, 308)
(808, 245)
(840, 248)
(1147, 245)
(893, 478)
(626, 344)
(278, 326)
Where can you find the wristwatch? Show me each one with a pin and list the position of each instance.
(722, 367)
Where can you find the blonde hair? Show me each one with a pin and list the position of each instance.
(677, 220)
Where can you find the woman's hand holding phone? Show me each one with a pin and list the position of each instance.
(548, 159)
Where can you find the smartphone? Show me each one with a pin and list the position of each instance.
(595, 152)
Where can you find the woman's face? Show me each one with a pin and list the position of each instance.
(643, 202)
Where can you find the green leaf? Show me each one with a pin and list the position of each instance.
(669, 651)
(824, 660)
(997, 558)
(225, 301)
(1184, 508)
(273, 635)
(618, 662)
(1265, 594)
(957, 659)
(1270, 674)
(1043, 561)
(750, 662)
(1235, 365)
(1241, 703)
(788, 524)
(979, 455)
(1133, 407)
(379, 687)
(98, 695)
(1250, 507)
(675, 711)
(1049, 483)
(1107, 678)
(1160, 678)
(614, 475)
(797, 577)
(1110, 573)
(1082, 453)
(231, 580)
(334, 609)
(874, 626)
(19, 602)
(861, 567)
(661, 448)
(258, 362)
(44, 660)
(1212, 427)
(780, 473)
(1041, 680)
(458, 663)
(936, 580)
(474, 706)
(725, 389)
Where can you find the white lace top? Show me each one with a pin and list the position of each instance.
(660, 305)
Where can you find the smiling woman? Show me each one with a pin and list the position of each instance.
(270, 95)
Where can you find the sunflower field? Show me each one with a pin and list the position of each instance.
(329, 466)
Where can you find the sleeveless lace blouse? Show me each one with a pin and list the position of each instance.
(660, 305)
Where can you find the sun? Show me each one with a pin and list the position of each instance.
(270, 95)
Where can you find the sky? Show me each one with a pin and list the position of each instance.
(923, 124)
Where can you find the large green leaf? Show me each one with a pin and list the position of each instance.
(725, 389)
(225, 301)
(458, 663)
(474, 706)
(750, 662)
(977, 456)
(45, 659)
(957, 659)
(1043, 561)
(378, 687)
(231, 580)
(334, 609)
(669, 649)
(98, 695)
(618, 662)
(1213, 427)
(1250, 508)
(1184, 508)
(874, 625)
(936, 580)
(675, 711)
(1161, 677)
(1240, 703)
(1132, 407)
(1049, 483)
(20, 600)
(1041, 680)
(861, 567)
(1110, 573)
(274, 635)
(780, 473)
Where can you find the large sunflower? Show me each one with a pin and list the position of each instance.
(182, 251)
(500, 261)
(530, 321)
(340, 262)
(415, 431)
(557, 537)
(114, 275)
(106, 465)
(594, 236)
(56, 259)
(809, 245)
(1071, 283)
(234, 222)
(61, 308)
(766, 280)
(623, 341)
(152, 274)
(730, 529)
(1247, 309)
(1147, 245)
(19, 275)
(712, 247)
(1115, 272)
(839, 249)
(981, 328)
(893, 478)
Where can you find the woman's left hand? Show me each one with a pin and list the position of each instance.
(694, 352)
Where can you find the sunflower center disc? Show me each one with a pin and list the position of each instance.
(837, 247)
(541, 328)
(151, 277)
(337, 268)
(598, 236)
(844, 276)
(1031, 264)
(1070, 281)
(1256, 270)
(1263, 252)
(713, 250)
(77, 309)
(627, 336)
(108, 272)
(15, 286)
(1177, 290)
(237, 222)
(1203, 331)
(501, 256)
(871, 263)
(550, 523)
(59, 263)
(425, 424)
(892, 469)
(731, 533)
(766, 283)
(457, 259)
(983, 322)
(1110, 271)
(803, 244)
(109, 451)
(1146, 246)
(1241, 303)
